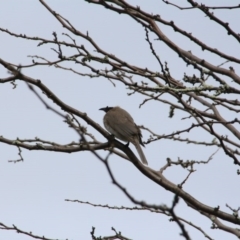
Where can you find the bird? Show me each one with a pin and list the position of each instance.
(120, 123)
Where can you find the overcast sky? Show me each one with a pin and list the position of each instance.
(33, 192)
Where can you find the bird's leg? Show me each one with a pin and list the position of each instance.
(111, 142)
(112, 136)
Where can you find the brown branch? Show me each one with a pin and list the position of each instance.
(187, 8)
(225, 25)
(18, 230)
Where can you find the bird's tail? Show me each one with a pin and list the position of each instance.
(140, 152)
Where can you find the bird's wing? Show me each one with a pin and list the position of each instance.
(125, 124)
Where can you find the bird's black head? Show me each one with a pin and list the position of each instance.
(106, 109)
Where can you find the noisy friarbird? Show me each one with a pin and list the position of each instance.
(120, 123)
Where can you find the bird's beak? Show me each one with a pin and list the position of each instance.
(106, 109)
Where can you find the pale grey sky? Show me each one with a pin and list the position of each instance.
(33, 191)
